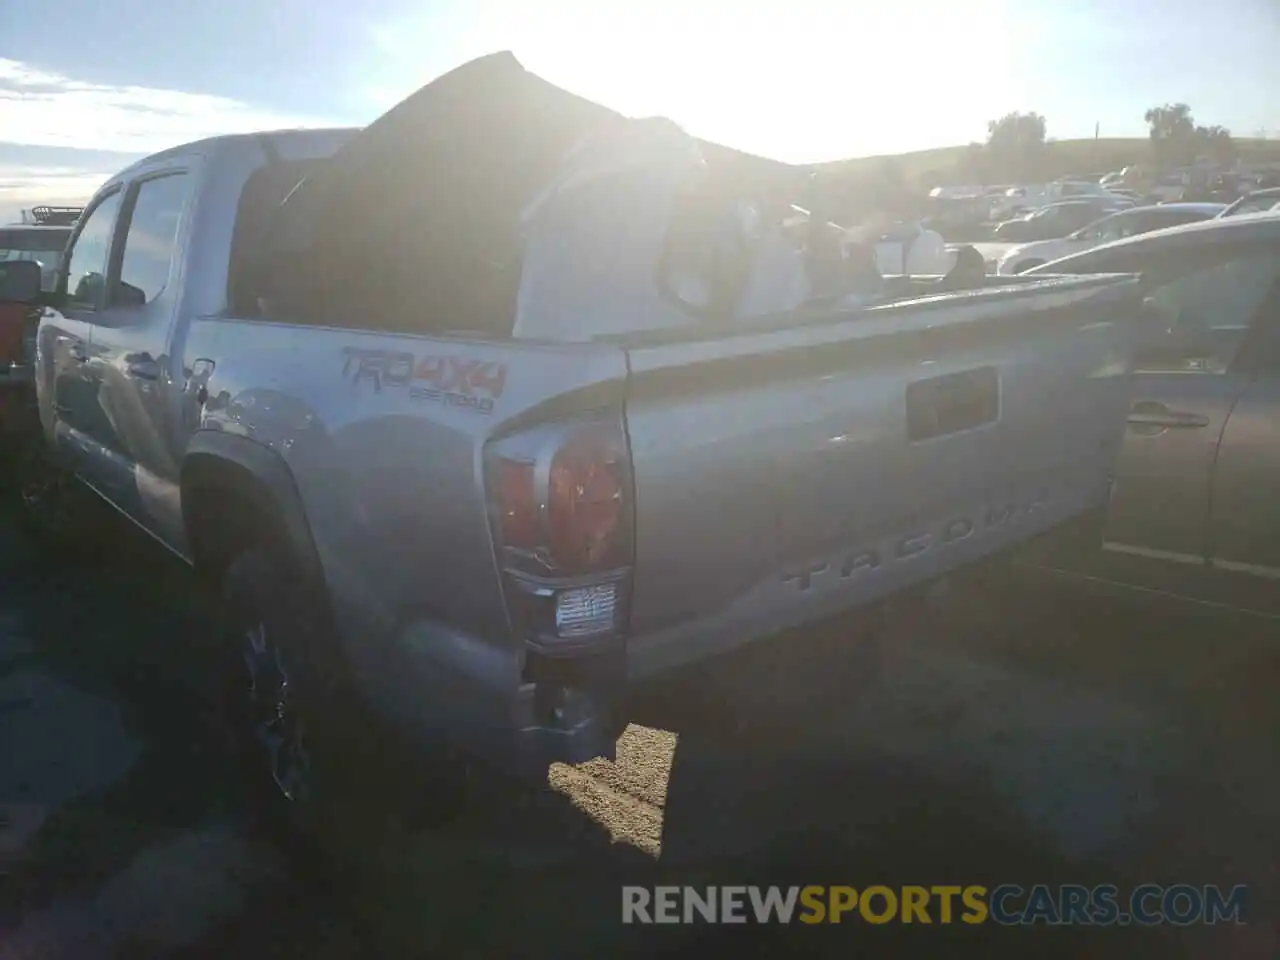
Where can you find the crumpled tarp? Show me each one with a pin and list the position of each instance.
(490, 192)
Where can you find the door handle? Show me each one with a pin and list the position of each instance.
(1158, 415)
(77, 353)
(143, 367)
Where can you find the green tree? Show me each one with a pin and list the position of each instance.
(1172, 131)
(1215, 142)
(972, 166)
(1016, 145)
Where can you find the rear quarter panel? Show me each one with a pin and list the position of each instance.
(384, 438)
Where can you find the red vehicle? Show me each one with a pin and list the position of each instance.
(20, 436)
(36, 243)
(17, 321)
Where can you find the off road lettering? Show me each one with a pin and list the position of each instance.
(463, 382)
(460, 375)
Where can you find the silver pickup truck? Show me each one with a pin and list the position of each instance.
(432, 407)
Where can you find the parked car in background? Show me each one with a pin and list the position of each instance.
(20, 287)
(1195, 510)
(1054, 220)
(1014, 202)
(1169, 188)
(40, 240)
(1255, 202)
(956, 216)
(1116, 226)
(1019, 200)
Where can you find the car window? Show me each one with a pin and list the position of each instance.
(1133, 225)
(86, 260)
(1078, 214)
(1106, 229)
(1210, 306)
(150, 240)
(1253, 205)
(1173, 220)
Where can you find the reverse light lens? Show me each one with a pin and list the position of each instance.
(586, 610)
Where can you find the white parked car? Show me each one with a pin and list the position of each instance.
(1116, 226)
(1023, 199)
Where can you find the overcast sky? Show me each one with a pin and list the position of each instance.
(86, 85)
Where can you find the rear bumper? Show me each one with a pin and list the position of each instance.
(519, 712)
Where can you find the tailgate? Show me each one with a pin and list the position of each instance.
(785, 475)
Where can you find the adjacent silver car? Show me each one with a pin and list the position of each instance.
(1115, 226)
(1197, 505)
(1256, 202)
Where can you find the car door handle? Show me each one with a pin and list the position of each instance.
(1158, 415)
(143, 367)
(77, 352)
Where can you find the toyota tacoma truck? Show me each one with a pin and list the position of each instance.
(490, 410)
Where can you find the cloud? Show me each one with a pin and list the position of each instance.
(40, 107)
(22, 187)
(67, 136)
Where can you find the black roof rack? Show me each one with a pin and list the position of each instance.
(48, 216)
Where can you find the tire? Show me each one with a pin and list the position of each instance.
(313, 756)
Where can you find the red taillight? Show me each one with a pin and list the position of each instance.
(561, 505)
(517, 504)
(561, 494)
(585, 505)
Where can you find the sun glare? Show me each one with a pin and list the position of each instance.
(800, 82)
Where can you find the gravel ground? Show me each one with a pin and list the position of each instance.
(1043, 738)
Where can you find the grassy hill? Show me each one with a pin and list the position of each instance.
(927, 168)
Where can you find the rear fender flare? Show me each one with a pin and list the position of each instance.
(248, 469)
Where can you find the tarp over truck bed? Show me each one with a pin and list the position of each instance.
(443, 178)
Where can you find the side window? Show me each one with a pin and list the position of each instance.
(1137, 225)
(1112, 228)
(1078, 215)
(150, 240)
(1210, 309)
(87, 259)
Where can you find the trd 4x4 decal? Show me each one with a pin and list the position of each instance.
(451, 380)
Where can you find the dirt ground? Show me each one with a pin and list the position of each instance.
(1044, 736)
